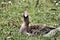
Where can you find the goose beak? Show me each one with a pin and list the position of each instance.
(25, 13)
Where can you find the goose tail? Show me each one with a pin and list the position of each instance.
(52, 32)
(58, 28)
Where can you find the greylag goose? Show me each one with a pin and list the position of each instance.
(36, 29)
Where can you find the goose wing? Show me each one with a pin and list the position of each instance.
(39, 29)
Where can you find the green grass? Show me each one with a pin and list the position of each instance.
(10, 19)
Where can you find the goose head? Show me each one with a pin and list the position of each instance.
(25, 24)
(25, 18)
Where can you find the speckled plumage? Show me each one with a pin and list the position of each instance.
(36, 29)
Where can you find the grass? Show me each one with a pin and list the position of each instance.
(10, 19)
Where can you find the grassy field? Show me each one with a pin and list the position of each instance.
(46, 13)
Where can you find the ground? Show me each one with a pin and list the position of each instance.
(46, 13)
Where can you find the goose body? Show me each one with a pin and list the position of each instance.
(36, 29)
(39, 29)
